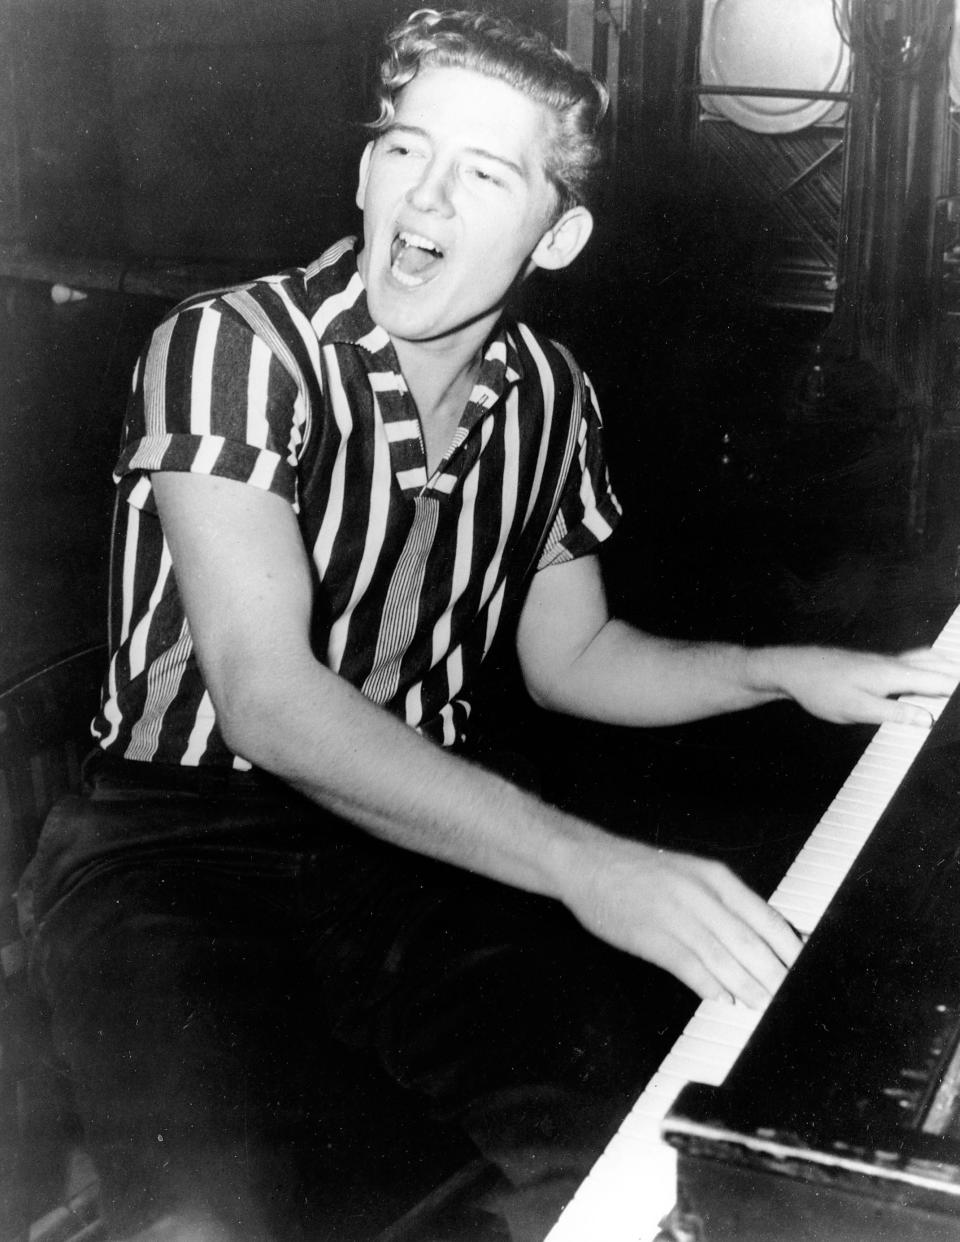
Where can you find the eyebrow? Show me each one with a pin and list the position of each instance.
(482, 152)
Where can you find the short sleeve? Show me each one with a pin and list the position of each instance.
(209, 397)
(588, 511)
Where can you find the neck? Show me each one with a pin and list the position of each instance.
(440, 381)
(439, 373)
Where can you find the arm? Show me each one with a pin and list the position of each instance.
(577, 659)
(246, 585)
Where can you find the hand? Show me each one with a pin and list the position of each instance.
(690, 915)
(850, 687)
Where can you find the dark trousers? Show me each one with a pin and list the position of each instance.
(200, 938)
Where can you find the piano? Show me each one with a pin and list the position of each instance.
(767, 1116)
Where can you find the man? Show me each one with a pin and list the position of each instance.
(338, 486)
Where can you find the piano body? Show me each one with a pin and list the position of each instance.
(836, 1113)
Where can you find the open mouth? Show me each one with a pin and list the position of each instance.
(414, 259)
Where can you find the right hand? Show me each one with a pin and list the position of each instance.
(690, 915)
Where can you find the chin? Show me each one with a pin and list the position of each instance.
(398, 317)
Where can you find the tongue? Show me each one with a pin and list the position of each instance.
(413, 261)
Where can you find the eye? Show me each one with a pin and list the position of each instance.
(400, 147)
(486, 177)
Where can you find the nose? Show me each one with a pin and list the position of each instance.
(432, 189)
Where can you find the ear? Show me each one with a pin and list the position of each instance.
(564, 240)
(364, 174)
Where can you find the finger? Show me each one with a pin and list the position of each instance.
(929, 657)
(874, 709)
(727, 974)
(925, 660)
(687, 966)
(915, 680)
(901, 711)
(744, 904)
(740, 960)
(780, 935)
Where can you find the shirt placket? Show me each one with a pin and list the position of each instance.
(400, 616)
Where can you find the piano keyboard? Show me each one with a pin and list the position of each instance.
(632, 1186)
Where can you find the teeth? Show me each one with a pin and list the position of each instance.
(405, 241)
(410, 281)
(422, 243)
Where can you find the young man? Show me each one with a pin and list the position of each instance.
(338, 486)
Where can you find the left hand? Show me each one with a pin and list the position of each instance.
(851, 687)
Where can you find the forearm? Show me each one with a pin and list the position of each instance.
(315, 731)
(624, 676)
(687, 914)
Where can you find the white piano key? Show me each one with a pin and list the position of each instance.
(866, 777)
(832, 877)
(646, 1115)
(910, 735)
(883, 745)
(663, 1086)
(813, 897)
(869, 773)
(695, 1070)
(856, 800)
(870, 785)
(933, 706)
(849, 806)
(827, 852)
(635, 1183)
(796, 902)
(847, 813)
(645, 1119)
(797, 886)
(838, 827)
(817, 872)
(860, 803)
(876, 764)
(701, 1027)
(829, 842)
(835, 855)
(698, 1045)
(802, 921)
(802, 917)
(813, 903)
(702, 1065)
(842, 831)
(735, 1015)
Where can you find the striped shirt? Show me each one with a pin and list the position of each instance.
(286, 384)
